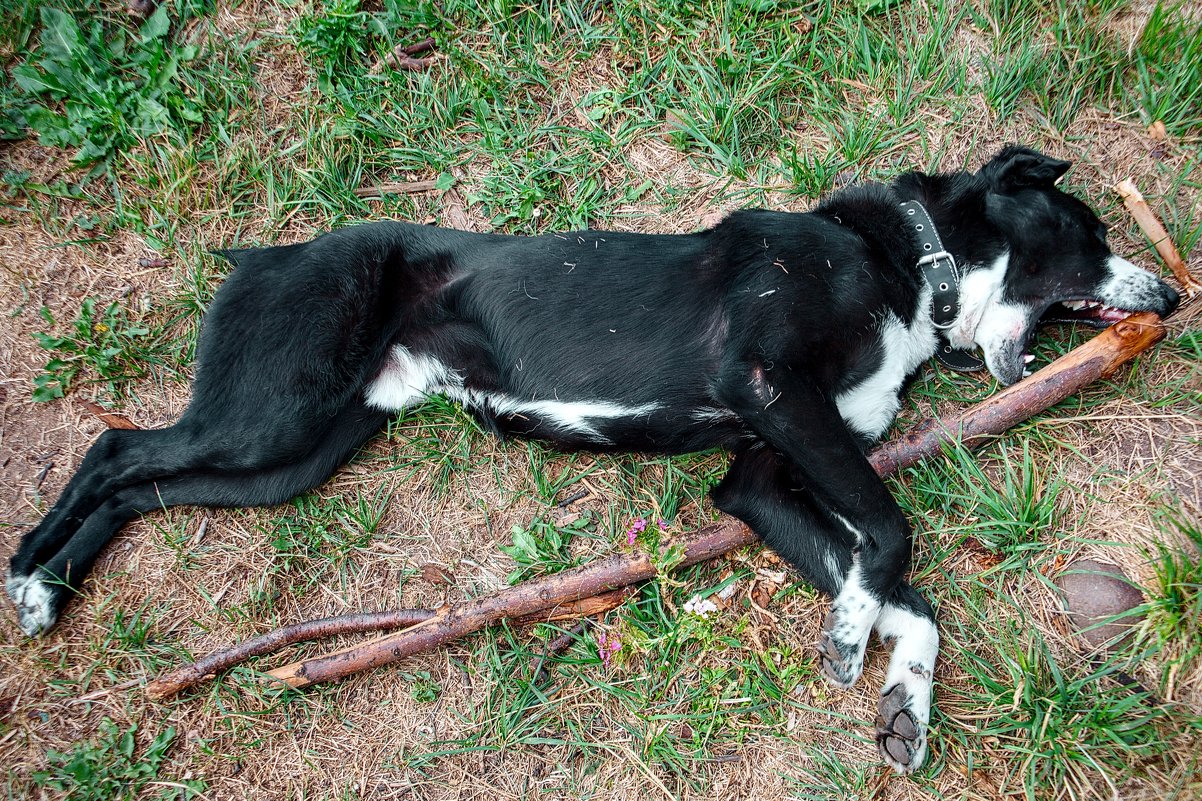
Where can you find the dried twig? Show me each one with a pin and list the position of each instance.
(403, 57)
(396, 188)
(578, 585)
(182, 678)
(1157, 235)
(1100, 357)
(555, 647)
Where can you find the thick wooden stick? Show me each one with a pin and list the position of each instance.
(1098, 358)
(1081, 366)
(1157, 235)
(453, 622)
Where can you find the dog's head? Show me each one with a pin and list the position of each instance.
(1057, 265)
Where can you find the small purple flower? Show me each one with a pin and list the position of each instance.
(639, 526)
(607, 647)
(662, 525)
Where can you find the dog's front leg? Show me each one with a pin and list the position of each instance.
(792, 416)
(762, 490)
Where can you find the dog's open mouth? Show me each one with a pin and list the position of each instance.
(1090, 312)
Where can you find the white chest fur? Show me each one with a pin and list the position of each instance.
(870, 406)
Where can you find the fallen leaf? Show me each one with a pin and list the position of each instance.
(437, 575)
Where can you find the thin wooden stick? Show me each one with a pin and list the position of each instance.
(396, 188)
(1157, 235)
(182, 678)
(549, 592)
(187, 676)
(403, 57)
(1098, 358)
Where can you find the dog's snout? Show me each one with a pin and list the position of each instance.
(1170, 298)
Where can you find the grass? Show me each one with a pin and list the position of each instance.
(113, 767)
(215, 124)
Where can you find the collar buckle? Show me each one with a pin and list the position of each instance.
(934, 259)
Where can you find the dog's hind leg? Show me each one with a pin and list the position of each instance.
(41, 587)
(116, 459)
(761, 490)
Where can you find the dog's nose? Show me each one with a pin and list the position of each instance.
(1170, 297)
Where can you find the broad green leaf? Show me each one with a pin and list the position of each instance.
(156, 25)
(61, 37)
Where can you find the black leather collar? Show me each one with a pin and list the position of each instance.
(939, 269)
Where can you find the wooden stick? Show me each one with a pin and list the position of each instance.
(549, 592)
(1157, 235)
(402, 57)
(180, 679)
(397, 188)
(1081, 366)
(1098, 358)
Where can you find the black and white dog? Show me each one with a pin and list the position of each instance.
(785, 338)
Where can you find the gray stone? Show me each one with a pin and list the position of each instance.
(1096, 591)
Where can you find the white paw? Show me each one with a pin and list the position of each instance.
(34, 602)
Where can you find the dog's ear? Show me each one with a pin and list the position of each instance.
(1018, 167)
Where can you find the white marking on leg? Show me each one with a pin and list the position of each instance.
(832, 567)
(32, 598)
(853, 612)
(911, 665)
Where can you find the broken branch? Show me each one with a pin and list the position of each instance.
(572, 591)
(532, 597)
(1157, 235)
(182, 678)
(187, 676)
(402, 57)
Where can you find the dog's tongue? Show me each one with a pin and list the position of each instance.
(1091, 313)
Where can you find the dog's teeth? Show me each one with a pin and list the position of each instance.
(1028, 358)
(1026, 373)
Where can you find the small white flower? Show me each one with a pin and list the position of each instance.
(701, 607)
